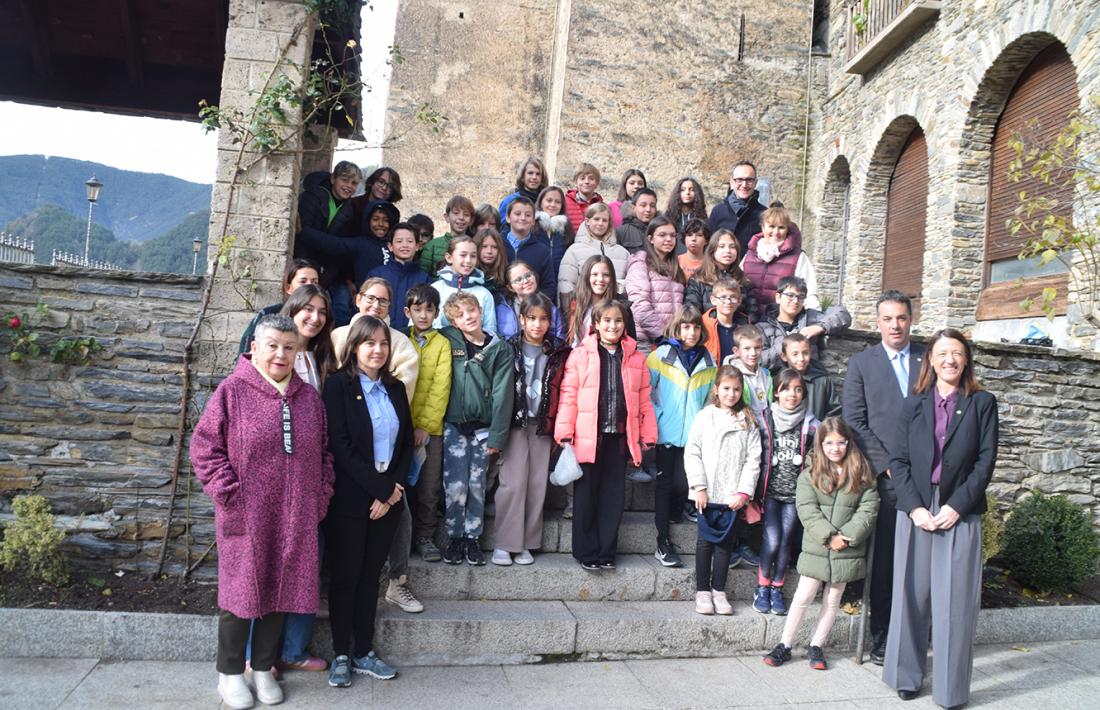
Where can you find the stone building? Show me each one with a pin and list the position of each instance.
(910, 144)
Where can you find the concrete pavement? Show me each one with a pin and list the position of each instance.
(1062, 674)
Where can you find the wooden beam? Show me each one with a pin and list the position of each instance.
(131, 26)
(34, 14)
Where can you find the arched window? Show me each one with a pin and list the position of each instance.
(1038, 108)
(906, 208)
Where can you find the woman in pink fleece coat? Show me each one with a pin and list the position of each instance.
(260, 450)
(654, 281)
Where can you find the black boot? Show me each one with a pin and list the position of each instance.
(878, 648)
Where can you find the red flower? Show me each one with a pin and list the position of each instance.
(14, 322)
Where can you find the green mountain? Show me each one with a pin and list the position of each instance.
(173, 251)
(136, 207)
(53, 227)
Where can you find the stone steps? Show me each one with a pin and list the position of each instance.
(558, 577)
(637, 535)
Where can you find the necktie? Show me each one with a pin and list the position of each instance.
(902, 371)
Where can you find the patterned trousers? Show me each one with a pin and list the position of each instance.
(464, 465)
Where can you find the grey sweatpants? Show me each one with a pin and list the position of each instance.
(937, 583)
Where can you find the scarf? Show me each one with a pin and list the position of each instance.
(788, 419)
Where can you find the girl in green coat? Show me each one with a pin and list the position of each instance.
(837, 503)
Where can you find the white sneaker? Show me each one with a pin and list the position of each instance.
(234, 691)
(502, 558)
(721, 604)
(267, 688)
(704, 603)
(398, 593)
(525, 558)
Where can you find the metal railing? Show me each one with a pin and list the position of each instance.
(64, 258)
(16, 249)
(866, 18)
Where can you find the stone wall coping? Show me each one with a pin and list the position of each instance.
(104, 274)
(985, 346)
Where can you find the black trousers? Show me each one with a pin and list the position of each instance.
(598, 499)
(712, 563)
(882, 574)
(233, 638)
(357, 550)
(672, 487)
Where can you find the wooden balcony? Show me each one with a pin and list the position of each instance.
(885, 25)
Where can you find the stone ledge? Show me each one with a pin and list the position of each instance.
(103, 274)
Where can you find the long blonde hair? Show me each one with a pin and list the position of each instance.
(854, 472)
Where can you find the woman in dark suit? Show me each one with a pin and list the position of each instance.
(941, 463)
(370, 434)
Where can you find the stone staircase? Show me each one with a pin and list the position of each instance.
(555, 610)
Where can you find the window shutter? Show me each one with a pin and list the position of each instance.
(1038, 108)
(906, 207)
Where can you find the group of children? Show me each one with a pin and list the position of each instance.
(639, 338)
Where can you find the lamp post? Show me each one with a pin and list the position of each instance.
(92, 187)
(196, 247)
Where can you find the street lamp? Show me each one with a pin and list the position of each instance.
(92, 187)
(196, 247)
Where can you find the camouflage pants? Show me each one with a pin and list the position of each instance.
(464, 465)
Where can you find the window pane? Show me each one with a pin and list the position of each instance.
(1012, 269)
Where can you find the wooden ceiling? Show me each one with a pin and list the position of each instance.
(145, 57)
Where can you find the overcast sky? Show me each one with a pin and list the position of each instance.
(180, 148)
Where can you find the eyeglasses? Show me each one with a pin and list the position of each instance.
(842, 444)
(382, 182)
(793, 296)
(728, 298)
(744, 181)
(522, 279)
(372, 300)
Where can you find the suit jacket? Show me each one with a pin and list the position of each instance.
(969, 453)
(872, 400)
(351, 441)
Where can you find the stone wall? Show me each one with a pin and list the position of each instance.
(1049, 405)
(97, 440)
(951, 77)
(674, 90)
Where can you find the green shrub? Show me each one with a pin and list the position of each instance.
(32, 544)
(993, 528)
(1049, 543)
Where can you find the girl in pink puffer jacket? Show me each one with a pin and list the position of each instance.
(654, 281)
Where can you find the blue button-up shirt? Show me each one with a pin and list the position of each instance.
(383, 419)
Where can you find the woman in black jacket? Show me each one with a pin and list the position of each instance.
(370, 434)
(941, 464)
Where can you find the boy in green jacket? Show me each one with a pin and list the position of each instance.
(459, 215)
(476, 424)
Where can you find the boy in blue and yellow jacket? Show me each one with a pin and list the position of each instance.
(681, 374)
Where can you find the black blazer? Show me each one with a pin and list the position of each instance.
(351, 441)
(872, 400)
(969, 453)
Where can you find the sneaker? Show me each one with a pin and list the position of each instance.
(502, 558)
(524, 558)
(607, 564)
(398, 593)
(666, 553)
(234, 691)
(817, 658)
(339, 676)
(747, 556)
(309, 663)
(735, 559)
(453, 555)
(691, 513)
(373, 666)
(427, 549)
(762, 599)
(591, 566)
(779, 607)
(704, 603)
(640, 475)
(268, 691)
(722, 605)
(473, 554)
(778, 656)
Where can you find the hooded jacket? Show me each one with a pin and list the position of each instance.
(481, 387)
(558, 234)
(401, 278)
(678, 395)
(585, 247)
(833, 319)
(578, 409)
(449, 282)
(653, 298)
(557, 352)
(722, 455)
(433, 381)
(825, 514)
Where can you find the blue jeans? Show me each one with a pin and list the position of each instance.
(297, 630)
(779, 521)
(464, 464)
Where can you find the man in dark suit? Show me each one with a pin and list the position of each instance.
(878, 381)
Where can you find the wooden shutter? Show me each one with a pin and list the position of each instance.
(906, 208)
(1038, 109)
